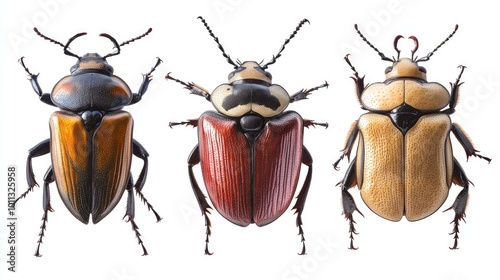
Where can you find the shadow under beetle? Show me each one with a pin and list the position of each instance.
(404, 164)
(250, 150)
(91, 142)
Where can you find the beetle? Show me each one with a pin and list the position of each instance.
(91, 143)
(404, 163)
(250, 150)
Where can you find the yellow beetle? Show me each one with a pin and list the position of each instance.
(404, 164)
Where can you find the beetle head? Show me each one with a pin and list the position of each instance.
(251, 70)
(91, 62)
(405, 67)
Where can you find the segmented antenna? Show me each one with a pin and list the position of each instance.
(428, 56)
(273, 60)
(117, 46)
(229, 60)
(373, 47)
(66, 47)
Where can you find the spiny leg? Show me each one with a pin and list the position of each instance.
(194, 158)
(146, 79)
(33, 78)
(302, 94)
(348, 204)
(301, 198)
(130, 214)
(192, 87)
(460, 179)
(40, 149)
(48, 178)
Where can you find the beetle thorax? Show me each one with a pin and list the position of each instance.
(406, 68)
(92, 62)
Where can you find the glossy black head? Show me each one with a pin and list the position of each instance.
(91, 62)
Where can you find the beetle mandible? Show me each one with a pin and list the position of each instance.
(250, 150)
(404, 164)
(90, 142)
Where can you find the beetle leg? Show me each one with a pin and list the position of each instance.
(140, 152)
(348, 204)
(48, 178)
(308, 123)
(33, 78)
(146, 79)
(466, 142)
(193, 122)
(359, 81)
(455, 89)
(459, 178)
(194, 158)
(351, 138)
(192, 87)
(301, 198)
(302, 94)
(40, 149)
(130, 214)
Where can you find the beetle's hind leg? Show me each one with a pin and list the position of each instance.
(130, 214)
(194, 158)
(301, 198)
(459, 178)
(140, 152)
(48, 178)
(348, 204)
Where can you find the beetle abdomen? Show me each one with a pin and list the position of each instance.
(404, 175)
(91, 170)
(278, 155)
(225, 164)
(91, 91)
(250, 183)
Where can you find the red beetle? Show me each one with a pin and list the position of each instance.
(250, 151)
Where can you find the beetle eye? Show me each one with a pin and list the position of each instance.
(268, 75)
(422, 69)
(388, 69)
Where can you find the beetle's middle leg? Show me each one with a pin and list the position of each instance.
(301, 197)
(194, 159)
(140, 152)
(460, 179)
(40, 149)
(348, 204)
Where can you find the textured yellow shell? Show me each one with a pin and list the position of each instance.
(404, 174)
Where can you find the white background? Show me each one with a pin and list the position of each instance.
(249, 30)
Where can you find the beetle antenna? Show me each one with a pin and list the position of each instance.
(273, 60)
(415, 40)
(428, 56)
(373, 47)
(117, 46)
(229, 60)
(66, 47)
(396, 40)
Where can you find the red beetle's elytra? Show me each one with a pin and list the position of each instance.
(404, 163)
(91, 142)
(250, 150)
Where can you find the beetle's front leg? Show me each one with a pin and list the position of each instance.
(194, 158)
(146, 79)
(348, 204)
(192, 87)
(459, 178)
(33, 78)
(302, 94)
(455, 89)
(358, 81)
